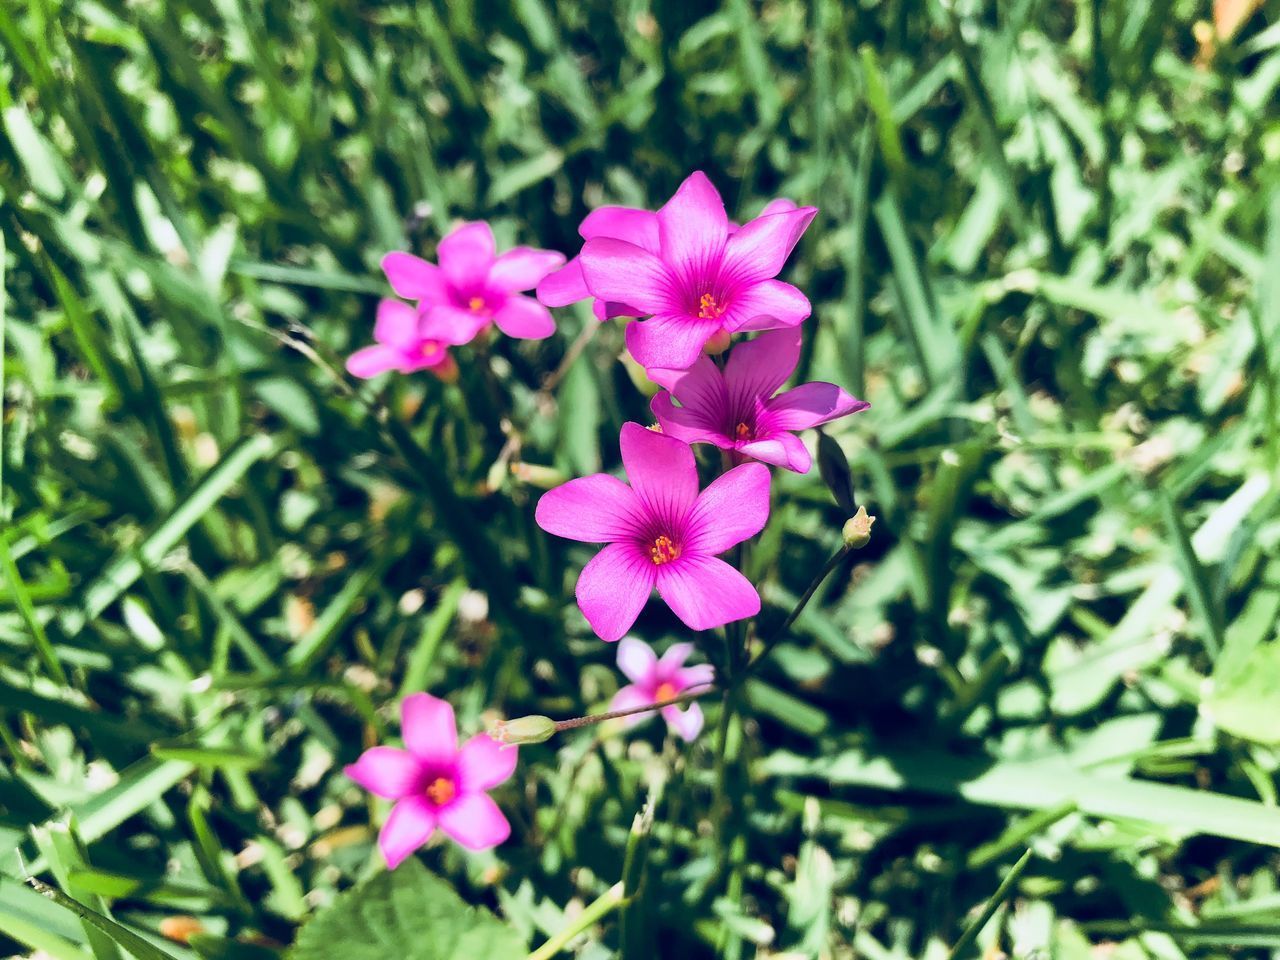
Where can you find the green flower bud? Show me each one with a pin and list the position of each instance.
(857, 529)
(531, 729)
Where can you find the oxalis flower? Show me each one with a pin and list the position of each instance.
(410, 339)
(657, 680)
(435, 784)
(660, 533)
(697, 279)
(474, 286)
(736, 409)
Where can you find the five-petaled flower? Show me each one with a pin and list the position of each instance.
(657, 680)
(660, 532)
(473, 285)
(736, 409)
(687, 269)
(434, 783)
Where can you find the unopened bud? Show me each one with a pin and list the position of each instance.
(718, 343)
(537, 475)
(857, 529)
(531, 729)
(446, 370)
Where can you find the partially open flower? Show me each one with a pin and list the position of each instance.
(434, 783)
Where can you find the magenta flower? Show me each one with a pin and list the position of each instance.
(568, 285)
(660, 533)
(737, 410)
(698, 278)
(409, 339)
(473, 286)
(434, 783)
(656, 680)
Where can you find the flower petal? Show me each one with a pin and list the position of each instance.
(669, 341)
(475, 821)
(628, 698)
(522, 268)
(781, 449)
(688, 423)
(684, 723)
(594, 509)
(466, 254)
(524, 318)
(811, 404)
(483, 763)
(623, 272)
(564, 286)
(661, 471)
(673, 659)
(636, 660)
(451, 324)
(693, 226)
(387, 772)
(734, 506)
(706, 592)
(701, 386)
(699, 675)
(428, 728)
(757, 368)
(623, 223)
(368, 362)
(760, 248)
(767, 305)
(613, 588)
(414, 278)
(397, 324)
(409, 825)
(778, 205)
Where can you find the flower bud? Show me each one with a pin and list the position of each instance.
(530, 729)
(446, 370)
(718, 343)
(537, 475)
(857, 529)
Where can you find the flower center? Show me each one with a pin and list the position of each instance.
(709, 308)
(664, 693)
(441, 790)
(429, 349)
(476, 304)
(664, 550)
(743, 433)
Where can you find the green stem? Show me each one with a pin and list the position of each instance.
(596, 911)
(836, 559)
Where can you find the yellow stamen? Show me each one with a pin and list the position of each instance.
(476, 304)
(440, 791)
(664, 550)
(743, 433)
(664, 693)
(429, 349)
(708, 308)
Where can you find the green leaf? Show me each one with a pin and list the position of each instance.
(408, 913)
(1244, 700)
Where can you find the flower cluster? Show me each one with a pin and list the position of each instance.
(690, 280)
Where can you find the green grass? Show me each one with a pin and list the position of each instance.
(1048, 252)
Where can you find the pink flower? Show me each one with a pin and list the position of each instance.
(434, 783)
(409, 339)
(737, 410)
(696, 278)
(660, 532)
(473, 285)
(657, 681)
(568, 285)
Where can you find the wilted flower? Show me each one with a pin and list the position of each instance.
(687, 269)
(434, 783)
(655, 680)
(474, 286)
(737, 410)
(661, 532)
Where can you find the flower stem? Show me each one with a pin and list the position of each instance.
(836, 559)
(596, 911)
(593, 718)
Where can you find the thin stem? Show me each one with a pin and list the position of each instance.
(596, 911)
(590, 719)
(836, 559)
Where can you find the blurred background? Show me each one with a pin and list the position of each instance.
(1048, 253)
